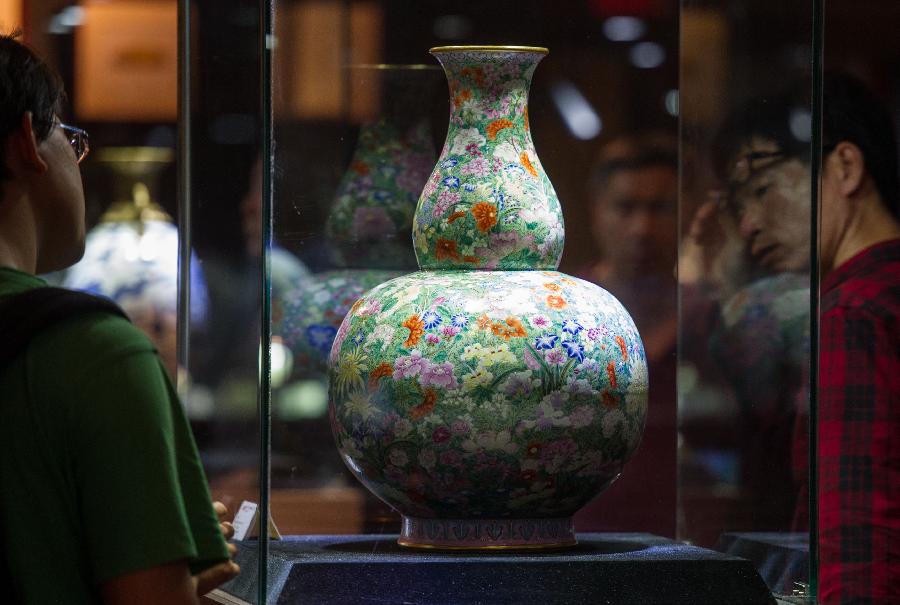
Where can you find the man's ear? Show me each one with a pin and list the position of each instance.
(848, 167)
(24, 144)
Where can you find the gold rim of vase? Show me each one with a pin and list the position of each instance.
(517, 49)
(393, 67)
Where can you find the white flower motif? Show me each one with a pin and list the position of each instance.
(398, 457)
(427, 459)
(488, 441)
(506, 152)
(464, 138)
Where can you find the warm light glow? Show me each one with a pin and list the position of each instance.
(126, 61)
(10, 15)
(671, 102)
(316, 42)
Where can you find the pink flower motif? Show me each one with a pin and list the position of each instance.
(555, 357)
(531, 361)
(440, 434)
(477, 167)
(581, 416)
(450, 458)
(438, 375)
(408, 366)
(449, 331)
(540, 322)
(432, 339)
(460, 427)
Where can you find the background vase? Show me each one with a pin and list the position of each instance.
(370, 217)
(487, 406)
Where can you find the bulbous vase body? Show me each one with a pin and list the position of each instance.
(487, 397)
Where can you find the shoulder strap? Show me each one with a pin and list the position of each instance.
(24, 315)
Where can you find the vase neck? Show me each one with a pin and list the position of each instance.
(488, 84)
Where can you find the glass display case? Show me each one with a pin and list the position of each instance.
(376, 311)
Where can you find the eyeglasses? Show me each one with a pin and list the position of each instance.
(745, 168)
(78, 139)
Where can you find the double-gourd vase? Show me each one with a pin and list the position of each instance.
(487, 397)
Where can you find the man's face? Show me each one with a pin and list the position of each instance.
(634, 221)
(771, 202)
(60, 196)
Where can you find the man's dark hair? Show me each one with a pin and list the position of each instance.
(850, 112)
(634, 152)
(26, 84)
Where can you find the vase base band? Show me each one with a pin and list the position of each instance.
(487, 534)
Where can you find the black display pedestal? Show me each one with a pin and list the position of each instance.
(604, 568)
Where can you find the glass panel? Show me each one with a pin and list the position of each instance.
(746, 220)
(359, 124)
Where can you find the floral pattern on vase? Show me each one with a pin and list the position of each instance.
(307, 317)
(487, 406)
(488, 204)
(372, 214)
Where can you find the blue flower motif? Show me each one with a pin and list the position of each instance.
(431, 319)
(449, 163)
(515, 168)
(574, 350)
(459, 320)
(381, 195)
(545, 342)
(572, 327)
(469, 186)
(320, 337)
(358, 337)
(451, 182)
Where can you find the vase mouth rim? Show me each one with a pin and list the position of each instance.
(394, 67)
(490, 48)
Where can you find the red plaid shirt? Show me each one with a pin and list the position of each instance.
(859, 429)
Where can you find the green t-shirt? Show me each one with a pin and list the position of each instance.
(99, 472)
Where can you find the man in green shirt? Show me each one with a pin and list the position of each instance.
(103, 497)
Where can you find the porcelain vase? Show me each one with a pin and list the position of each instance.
(487, 397)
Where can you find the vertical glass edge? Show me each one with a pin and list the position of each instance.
(818, 35)
(184, 200)
(264, 395)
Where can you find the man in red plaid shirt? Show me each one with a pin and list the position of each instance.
(859, 353)
(858, 449)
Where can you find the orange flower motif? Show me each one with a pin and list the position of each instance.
(471, 259)
(556, 302)
(485, 215)
(462, 96)
(446, 248)
(357, 305)
(424, 408)
(360, 168)
(609, 400)
(476, 73)
(569, 281)
(527, 124)
(553, 287)
(611, 374)
(484, 322)
(416, 329)
(621, 342)
(382, 370)
(496, 126)
(456, 215)
(523, 159)
(512, 329)
(533, 449)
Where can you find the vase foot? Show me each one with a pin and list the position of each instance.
(487, 534)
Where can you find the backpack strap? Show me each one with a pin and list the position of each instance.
(24, 315)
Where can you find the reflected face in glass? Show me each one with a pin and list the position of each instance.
(634, 220)
(769, 198)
